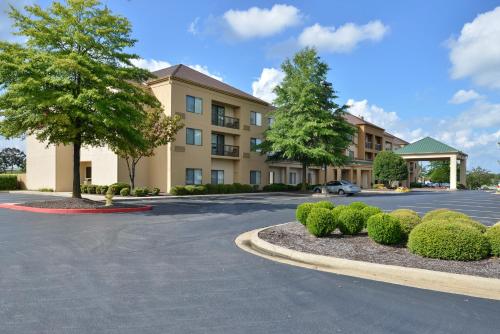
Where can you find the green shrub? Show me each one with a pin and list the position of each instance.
(146, 191)
(138, 192)
(83, 188)
(472, 223)
(384, 229)
(350, 221)
(8, 182)
(91, 189)
(280, 187)
(303, 211)
(493, 236)
(212, 189)
(369, 211)
(324, 204)
(337, 210)
(46, 190)
(97, 189)
(450, 215)
(320, 222)
(407, 221)
(357, 205)
(404, 211)
(448, 241)
(117, 187)
(196, 190)
(433, 213)
(125, 192)
(178, 191)
(104, 190)
(155, 191)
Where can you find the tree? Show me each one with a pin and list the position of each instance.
(72, 83)
(478, 177)
(439, 171)
(11, 157)
(309, 127)
(389, 167)
(157, 130)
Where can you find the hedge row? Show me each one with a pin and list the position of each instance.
(8, 182)
(118, 188)
(214, 189)
(440, 234)
(281, 187)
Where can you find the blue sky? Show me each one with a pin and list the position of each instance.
(416, 68)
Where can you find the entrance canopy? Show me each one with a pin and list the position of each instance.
(429, 149)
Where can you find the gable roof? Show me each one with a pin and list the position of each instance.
(427, 145)
(355, 120)
(185, 73)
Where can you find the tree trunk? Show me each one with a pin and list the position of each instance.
(76, 169)
(304, 176)
(326, 178)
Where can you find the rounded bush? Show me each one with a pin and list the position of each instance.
(450, 215)
(325, 204)
(404, 211)
(384, 229)
(104, 190)
(358, 205)
(493, 236)
(138, 192)
(155, 191)
(407, 221)
(303, 211)
(124, 192)
(369, 211)
(350, 221)
(448, 241)
(433, 213)
(472, 223)
(320, 222)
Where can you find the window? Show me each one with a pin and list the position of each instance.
(193, 136)
(218, 114)
(270, 121)
(292, 178)
(193, 176)
(88, 172)
(254, 143)
(351, 154)
(255, 118)
(194, 104)
(217, 176)
(255, 177)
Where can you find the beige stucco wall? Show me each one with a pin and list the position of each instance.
(40, 164)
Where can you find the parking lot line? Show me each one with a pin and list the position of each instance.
(466, 205)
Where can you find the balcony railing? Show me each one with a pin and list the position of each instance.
(368, 145)
(226, 121)
(378, 147)
(226, 150)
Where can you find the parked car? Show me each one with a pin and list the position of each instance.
(339, 187)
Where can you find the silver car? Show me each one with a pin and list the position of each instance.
(339, 187)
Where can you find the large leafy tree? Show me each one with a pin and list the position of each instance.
(389, 167)
(478, 177)
(72, 82)
(309, 127)
(439, 171)
(157, 130)
(11, 157)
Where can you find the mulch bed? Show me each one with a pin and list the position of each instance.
(362, 248)
(75, 203)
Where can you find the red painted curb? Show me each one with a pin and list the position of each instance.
(17, 207)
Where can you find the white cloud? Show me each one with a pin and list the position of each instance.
(263, 87)
(154, 65)
(482, 114)
(373, 113)
(476, 52)
(193, 26)
(204, 69)
(463, 96)
(150, 64)
(261, 22)
(342, 39)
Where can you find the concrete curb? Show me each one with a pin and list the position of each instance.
(474, 286)
(17, 207)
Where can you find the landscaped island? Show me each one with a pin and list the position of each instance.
(442, 240)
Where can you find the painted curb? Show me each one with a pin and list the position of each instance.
(16, 207)
(474, 286)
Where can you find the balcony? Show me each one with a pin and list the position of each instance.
(226, 150)
(378, 147)
(226, 121)
(369, 145)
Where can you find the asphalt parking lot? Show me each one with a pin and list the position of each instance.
(176, 270)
